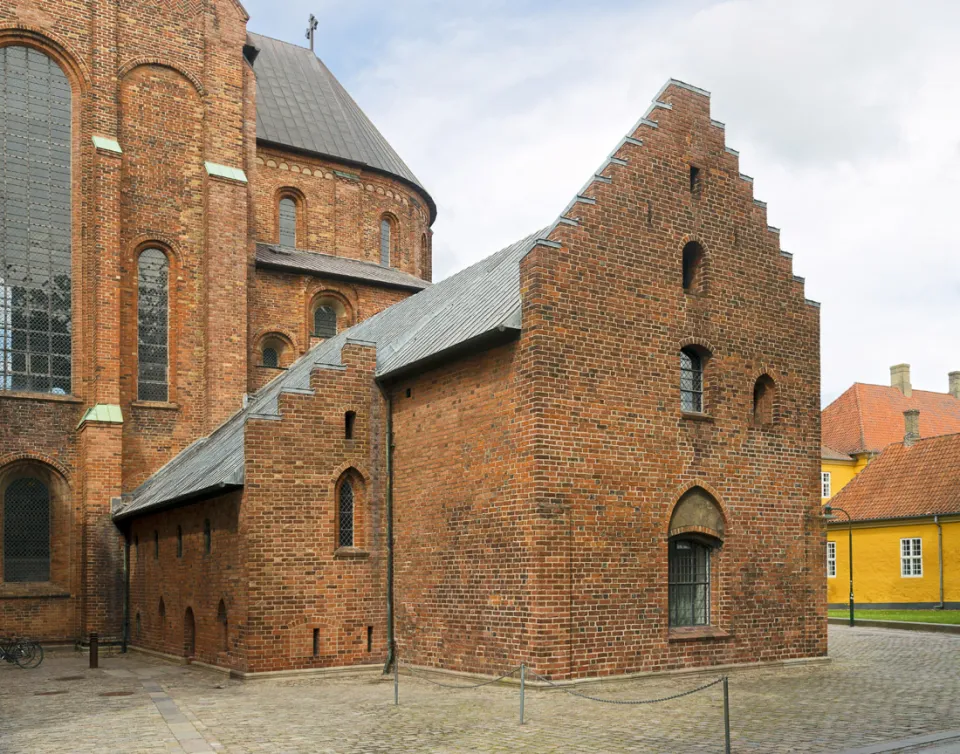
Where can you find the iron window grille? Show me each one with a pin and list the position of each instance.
(288, 222)
(26, 531)
(386, 230)
(152, 326)
(689, 583)
(911, 557)
(831, 559)
(270, 357)
(691, 382)
(345, 518)
(35, 223)
(324, 322)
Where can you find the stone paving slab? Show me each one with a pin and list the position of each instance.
(882, 686)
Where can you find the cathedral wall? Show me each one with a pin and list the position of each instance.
(339, 209)
(281, 312)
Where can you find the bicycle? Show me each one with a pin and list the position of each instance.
(26, 654)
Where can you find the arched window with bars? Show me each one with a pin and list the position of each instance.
(324, 321)
(26, 530)
(345, 513)
(287, 216)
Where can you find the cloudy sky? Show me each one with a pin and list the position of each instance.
(846, 112)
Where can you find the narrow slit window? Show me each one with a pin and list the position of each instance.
(386, 231)
(692, 267)
(369, 638)
(694, 180)
(349, 419)
(207, 536)
(156, 545)
(288, 222)
(345, 519)
(316, 642)
(152, 326)
(179, 542)
(691, 381)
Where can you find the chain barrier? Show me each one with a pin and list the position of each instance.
(626, 701)
(451, 686)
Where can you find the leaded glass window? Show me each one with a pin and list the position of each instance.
(324, 322)
(270, 357)
(26, 531)
(691, 381)
(385, 232)
(152, 329)
(288, 222)
(689, 583)
(35, 195)
(345, 517)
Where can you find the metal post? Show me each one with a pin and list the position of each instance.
(523, 687)
(94, 651)
(850, 540)
(726, 715)
(396, 679)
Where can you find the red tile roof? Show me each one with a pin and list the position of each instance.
(906, 481)
(868, 418)
(829, 454)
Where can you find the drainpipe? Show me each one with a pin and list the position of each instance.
(936, 520)
(126, 591)
(391, 637)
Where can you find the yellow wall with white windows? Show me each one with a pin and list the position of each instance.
(841, 473)
(877, 578)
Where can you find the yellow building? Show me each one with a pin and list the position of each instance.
(865, 419)
(904, 517)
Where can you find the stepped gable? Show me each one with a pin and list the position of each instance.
(906, 482)
(301, 105)
(868, 418)
(476, 302)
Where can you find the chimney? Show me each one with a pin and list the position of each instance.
(954, 384)
(900, 379)
(911, 423)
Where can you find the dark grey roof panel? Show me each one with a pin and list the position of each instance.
(315, 263)
(300, 104)
(475, 301)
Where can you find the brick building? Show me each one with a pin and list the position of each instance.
(229, 430)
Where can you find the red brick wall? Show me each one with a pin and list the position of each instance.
(299, 580)
(198, 580)
(604, 320)
(341, 215)
(461, 516)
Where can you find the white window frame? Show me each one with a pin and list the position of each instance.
(825, 484)
(911, 557)
(831, 560)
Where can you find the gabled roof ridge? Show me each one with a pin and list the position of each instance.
(856, 398)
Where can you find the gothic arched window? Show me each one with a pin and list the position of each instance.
(35, 222)
(689, 587)
(345, 514)
(386, 240)
(152, 326)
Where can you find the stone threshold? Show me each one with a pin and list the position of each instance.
(938, 628)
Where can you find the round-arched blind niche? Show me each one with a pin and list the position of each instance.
(697, 512)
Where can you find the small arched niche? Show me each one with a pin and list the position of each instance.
(693, 268)
(698, 515)
(764, 400)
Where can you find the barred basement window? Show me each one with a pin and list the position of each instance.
(26, 531)
(691, 381)
(345, 518)
(35, 222)
(288, 222)
(152, 335)
(324, 322)
(689, 583)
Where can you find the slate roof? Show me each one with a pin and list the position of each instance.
(326, 265)
(300, 104)
(479, 300)
(829, 454)
(868, 418)
(905, 482)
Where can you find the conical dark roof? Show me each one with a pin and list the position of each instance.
(300, 104)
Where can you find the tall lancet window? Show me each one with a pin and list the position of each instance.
(35, 205)
(152, 327)
(386, 231)
(288, 222)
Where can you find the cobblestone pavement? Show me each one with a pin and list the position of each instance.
(881, 686)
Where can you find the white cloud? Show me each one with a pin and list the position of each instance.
(845, 112)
